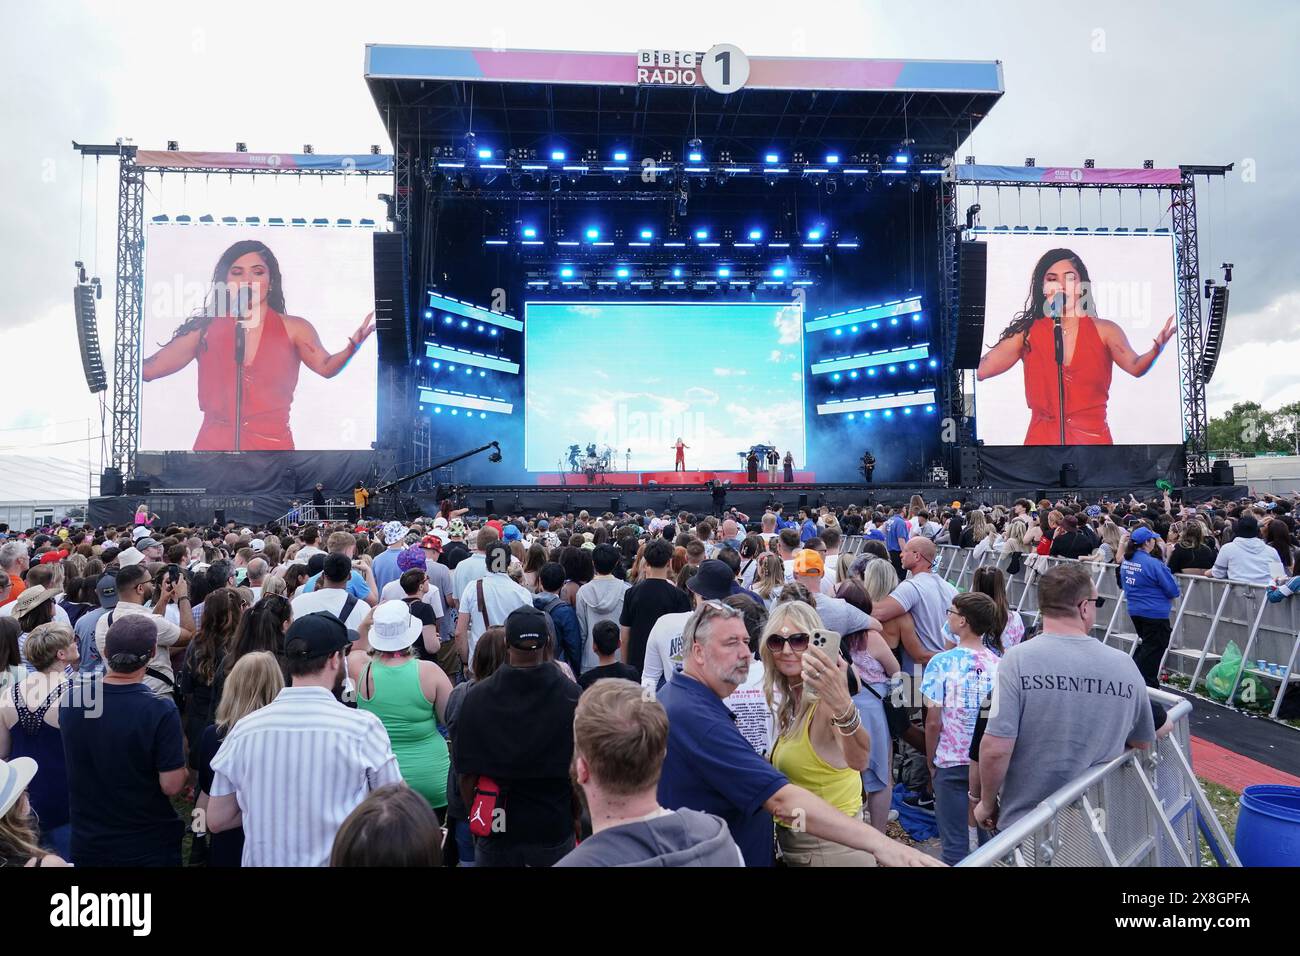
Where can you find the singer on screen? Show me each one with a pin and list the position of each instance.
(258, 375)
(1073, 373)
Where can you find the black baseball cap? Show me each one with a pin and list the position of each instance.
(713, 581)
(106, 590)
(315, 635)
(526, 628)
(130, 642)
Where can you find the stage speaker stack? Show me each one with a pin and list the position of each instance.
(968, 466)
(489, 505)
(135, 487)
(1223, 473)
(613, 504)
(92, 362)
(110, 482)
(970, 306)
(803, 501)
(1069, 475)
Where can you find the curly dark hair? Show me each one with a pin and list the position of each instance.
(1036, 301)
(217, 303)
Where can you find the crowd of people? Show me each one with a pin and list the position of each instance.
(579, 690)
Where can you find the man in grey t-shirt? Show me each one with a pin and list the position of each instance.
(1064, 703)
(924, 595)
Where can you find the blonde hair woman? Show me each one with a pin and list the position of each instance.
(275, 585)
(252, 683)
(821, 743)
(769, 579)
(880, 579)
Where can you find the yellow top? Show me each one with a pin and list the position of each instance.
(803, 766)
(360, 497)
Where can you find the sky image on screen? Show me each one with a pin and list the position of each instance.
(1133, 285)
(328, 279)
(722, 376)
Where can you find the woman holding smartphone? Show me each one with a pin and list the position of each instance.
(821, 743)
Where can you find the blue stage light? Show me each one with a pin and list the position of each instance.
(893, 321)
(779, 272)
(853, 374)
(482, 414)
(907, 411)
(566, 272)
(875, 325)
(701, 233)
(455, 411)
(839, 331)
(771, 158)
(866, 414)
(464, 323)
(492, 332)
(469, 371)
(853, 328)
(485, 154)
(723, 272)
(901, 159)
(893, 369)
(832, 159)
(530, 232)
(850, 416)
(695, 157)
(620, 157)
(929, 408)
(593, 233)
(755, 234)
(889, 413)
(622, 272)
(647, 233)
(677, 272)
(871, 372)
(451, 368)
(911, 366)
(557, 155)
(437, 409)
(428, 313)
(482, 374)
(916, 317)
(814, 235)
(835, 377)
(437, 365)
(934, 363)
(447, 320)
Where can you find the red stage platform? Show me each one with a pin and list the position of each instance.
(578, 480)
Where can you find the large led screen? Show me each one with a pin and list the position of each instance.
(634, 378)
(258, 338)
(1113, 299)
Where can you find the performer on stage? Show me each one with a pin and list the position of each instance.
(681, 447)
(275, 345)
(773, 462)
(1092, 345)
(789, 466)
(360, 498)
(868, 465)
(318, 495)
(752, 463)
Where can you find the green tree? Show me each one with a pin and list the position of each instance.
(1248, 427)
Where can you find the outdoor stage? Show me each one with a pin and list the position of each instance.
(631, 479)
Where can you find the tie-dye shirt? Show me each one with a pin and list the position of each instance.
(958, 680)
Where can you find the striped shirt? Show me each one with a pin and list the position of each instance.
(299, 766)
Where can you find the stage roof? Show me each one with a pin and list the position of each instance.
(532, 98)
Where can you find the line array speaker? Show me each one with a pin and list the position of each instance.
(92, 362)
(972, 279)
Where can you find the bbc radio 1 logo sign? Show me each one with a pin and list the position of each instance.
(723, 69)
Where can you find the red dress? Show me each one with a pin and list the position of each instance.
(1087, 387)
(269, 383)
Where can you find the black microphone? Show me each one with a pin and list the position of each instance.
(1055, 306)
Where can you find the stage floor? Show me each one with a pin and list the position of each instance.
(634, 479)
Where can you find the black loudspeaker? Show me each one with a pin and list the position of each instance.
(92, 362)
(392, 330)
(968, 466)
(972, 278)
(219, 517)
(1223, 473)
(613, 504)
(1069, 476)
(489, 505)
(803, 501)
(137, 486)
(1201, 479)
(110, 482)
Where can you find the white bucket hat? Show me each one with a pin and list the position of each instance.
(393, 628)
(15, 776)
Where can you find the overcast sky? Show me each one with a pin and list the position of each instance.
(1184, 82)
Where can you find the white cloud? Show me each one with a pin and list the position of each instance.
(701, 396)
(1260, 370)
(774, 356)
(788, 325)
(729, 372)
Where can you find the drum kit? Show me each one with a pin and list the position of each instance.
(597, 460)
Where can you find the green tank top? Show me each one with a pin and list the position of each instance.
(412, 726)
(796, 757)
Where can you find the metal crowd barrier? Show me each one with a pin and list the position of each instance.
(1141, 809)
(1208, 613)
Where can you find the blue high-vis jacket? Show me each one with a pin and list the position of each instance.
(1149, 587)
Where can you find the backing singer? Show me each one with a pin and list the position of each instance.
(1092, 346)
(275, 344)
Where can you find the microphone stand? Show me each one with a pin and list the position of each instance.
(1058, 334)
(239, 380)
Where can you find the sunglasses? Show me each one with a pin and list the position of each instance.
(797, 642)
(1097, 601)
